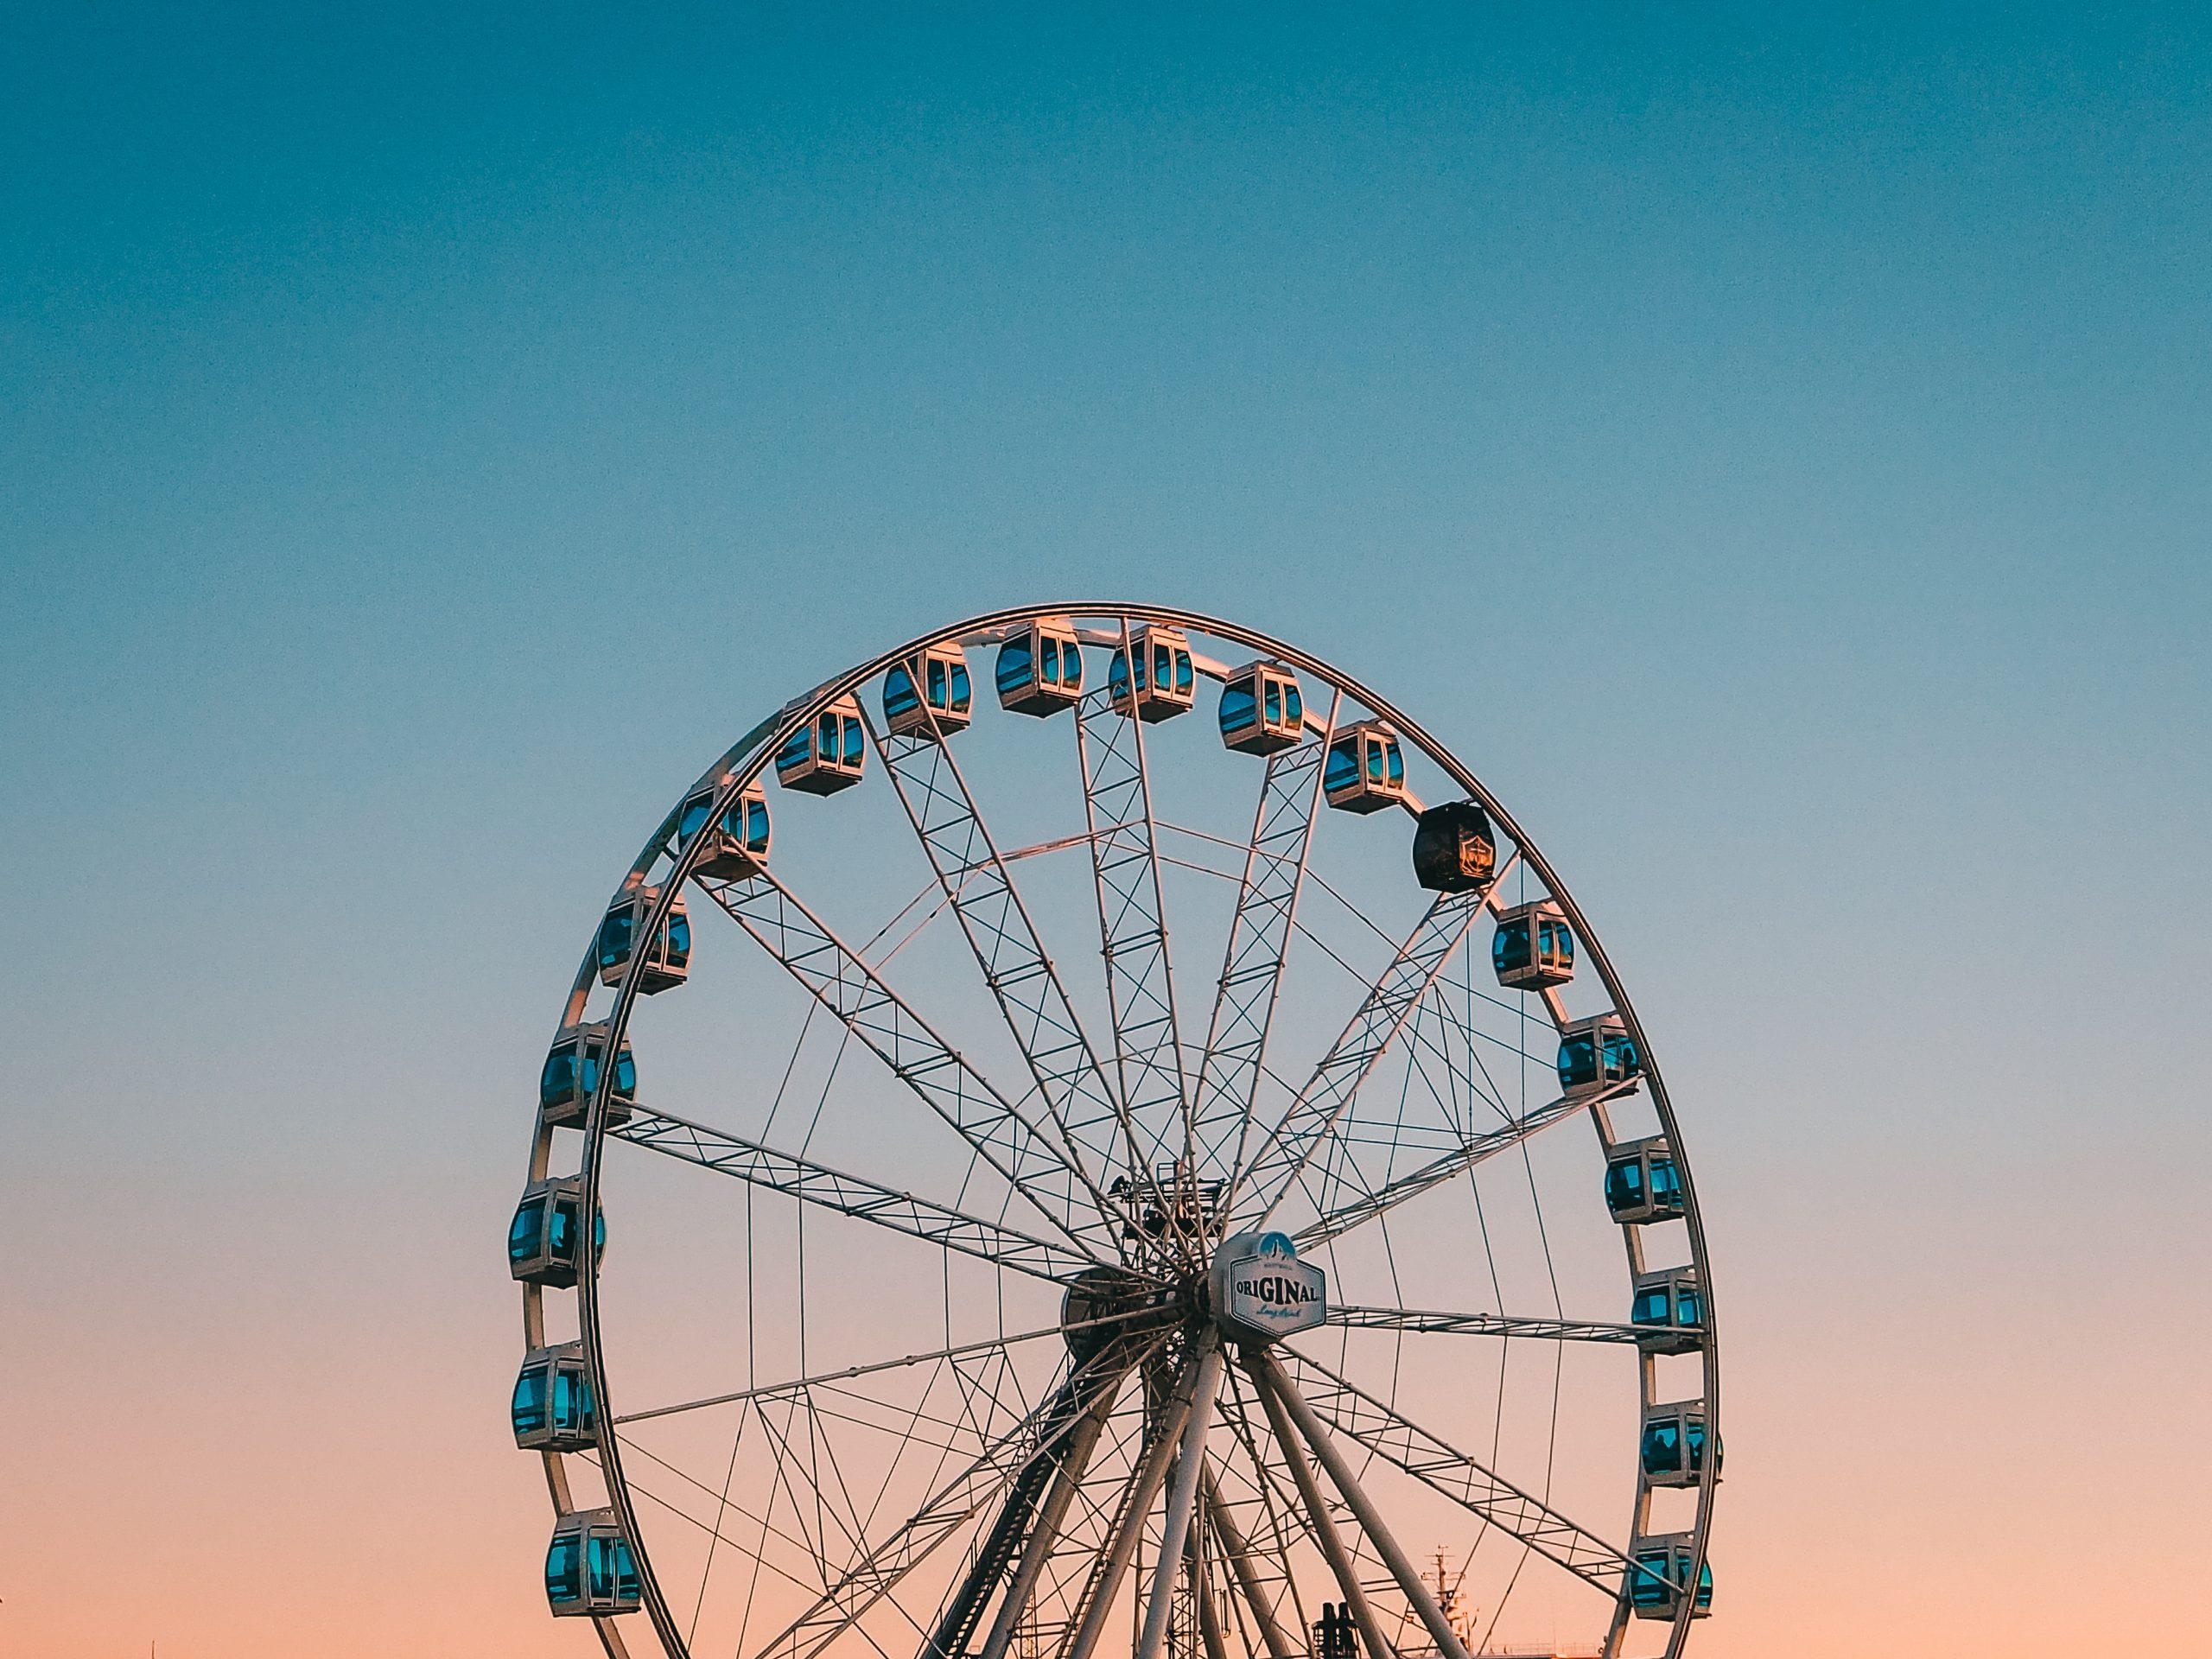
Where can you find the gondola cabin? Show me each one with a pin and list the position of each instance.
(552, 1407)
(826, 754)
(1261, 710)
(1642, 1182)
(1040, 669)
(571, 1077)
(928, 696)
(1366, 769)
(1661, 1574)
(1667, 1310)
(669, 959)
(1673, 1450)
(1533, 948)
(737, 842)
(1453, 849)
(589, 1571)
(1596, 1053)
(544, 1239)
(1166, 682)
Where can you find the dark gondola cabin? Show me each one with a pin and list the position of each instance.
(1642, 1182)
(1261, 710)
(552, 1404)
(826, 754)
(1673, 1450)
(1166, 684)
(1040, 668)
(1668, 1310)
(1533, 947)
(571, 1077)
(670, 957)
(544, 1238)
(589, 1571)
(1661, 1574)
(1596, 1053)
(1453, 849)
(737, 842)
(1366, 769)
(928, 696)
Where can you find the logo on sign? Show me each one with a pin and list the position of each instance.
(1270, 1291)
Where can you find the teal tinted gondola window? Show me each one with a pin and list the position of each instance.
(1652, 1306)
(564, 1571)
(530, 1402)
(1050, 660)
(1237, 710)
(1509, 948)
(1621, 1060)
(561, 1236)
(572, 1401)
(1666, 1184)
(1344, 765)
(1624, 1185)
(825, 739)
(557, 1082)
(1697, 1444)
(1184, 679)
(852, 752)
(1652, 1587)
(756, 825)
(797, 748)
(1662, 1447)
(1578, 1061)
(1397, 765)
(1117, 676)
(521, 1232)
(614, 938)
(695, 814)
(1687, 1310)
(1558, 945)
(613, 1575)
(1374, 763)
(1274, 704)
(591, 1069)
(940, 691)
(1071, 666)
(1293, 705)
(1163, 668)
(625, 1075)
(962, 695)
(1704, 1586)
(677, 935)
(1014, 662)
(899, 692)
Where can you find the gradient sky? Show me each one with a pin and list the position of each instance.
(431, 434)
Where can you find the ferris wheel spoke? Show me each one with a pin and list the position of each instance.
(996, 1129)
(852, 1195)
(1385, 1431)
(1259, 938)
(1002, 937)
(1333, 1223)
(1133, 932)
(1307, 1128)
(880, 1569)
(1429, 1322)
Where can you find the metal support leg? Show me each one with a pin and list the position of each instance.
(1176, 1528)
(1067, 1479)
(1128, 1526)
(1279, 1390)
(1233, 1546)
(1317, 1510)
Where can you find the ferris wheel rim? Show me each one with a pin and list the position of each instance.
(746, 762)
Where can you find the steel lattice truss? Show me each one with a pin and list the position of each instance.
(1031, 1405)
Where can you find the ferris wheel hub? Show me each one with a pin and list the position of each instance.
(1260, 1290)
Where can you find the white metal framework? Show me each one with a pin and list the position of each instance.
(1137, 1223)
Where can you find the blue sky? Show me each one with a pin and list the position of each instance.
(1774, 450)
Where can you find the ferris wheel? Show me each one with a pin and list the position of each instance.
(1069, 1174)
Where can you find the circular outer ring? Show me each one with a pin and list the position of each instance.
(746, 761)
